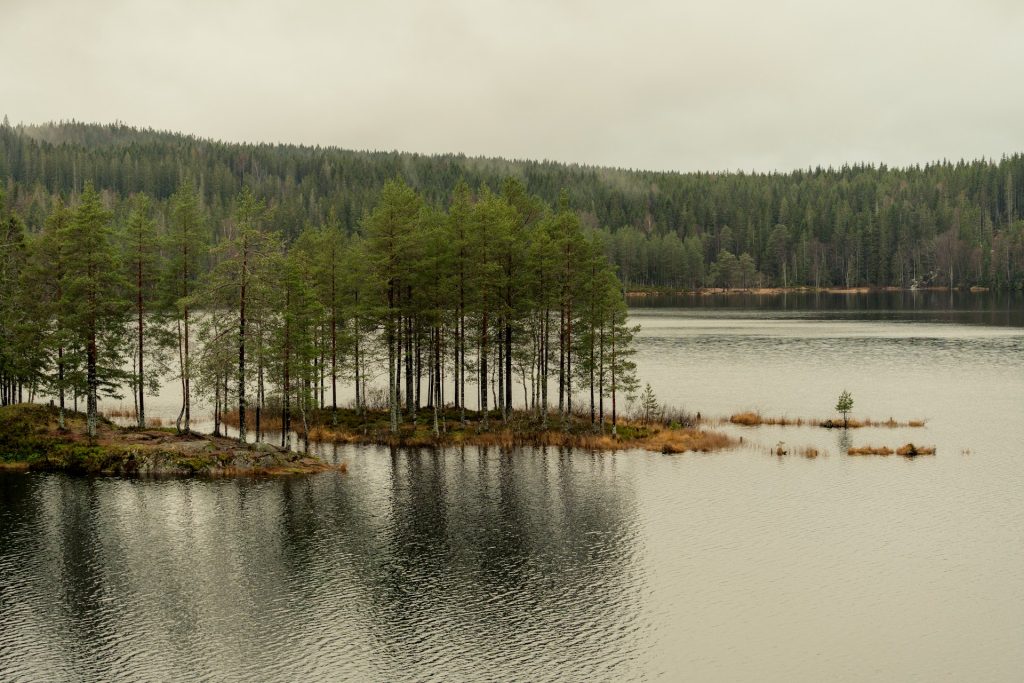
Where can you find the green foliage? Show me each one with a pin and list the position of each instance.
(650, 409)
(490, 291)
(93, 300)
(844, 405)
(942, 223)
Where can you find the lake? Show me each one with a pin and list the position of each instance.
(534, 564)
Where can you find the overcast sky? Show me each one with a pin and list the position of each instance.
(709, 85)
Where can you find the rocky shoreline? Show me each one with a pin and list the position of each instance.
(31, 439)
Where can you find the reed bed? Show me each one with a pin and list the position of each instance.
(522, 429)
(269, 421)
(755, 419)
(907, 450)
(119, 411)
(781, 449)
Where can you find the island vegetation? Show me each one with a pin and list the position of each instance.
(490, 291)
(752, 418)
(37, 437)
(488, 297)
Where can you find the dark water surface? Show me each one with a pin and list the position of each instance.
(547, 565)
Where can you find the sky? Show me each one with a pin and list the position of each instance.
(712, 85)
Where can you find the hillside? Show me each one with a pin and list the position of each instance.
(945, 223)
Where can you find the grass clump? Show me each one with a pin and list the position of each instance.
(907, 450)
(673, 431)
(752, 418)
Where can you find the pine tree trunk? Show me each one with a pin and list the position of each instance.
(142, 375)
(561, 362)
(259, 399)
(334, 350)
(568, 364)
(508, 366)
(60, 386)
(216, 406)
(600, 379)
(241, 366)
(613, 362)
(188, 389)
(483, 370)
(593, 415)
(545, 337)
(286, 384)
(392, 364)
(500, 398)
(91, 382)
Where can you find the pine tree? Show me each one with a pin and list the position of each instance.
(235, 283)
(186, 243)
(389, 233)
(94, 301)
(142, 257)
(42, 282)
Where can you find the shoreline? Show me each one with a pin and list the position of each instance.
(779, 291)
(520, 430)
(30, 440)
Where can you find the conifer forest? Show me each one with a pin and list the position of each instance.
(269, 274)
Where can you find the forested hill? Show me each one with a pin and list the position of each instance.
(959, 223)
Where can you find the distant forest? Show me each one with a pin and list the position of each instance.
(946, 223)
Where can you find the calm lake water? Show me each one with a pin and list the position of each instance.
(567, 565)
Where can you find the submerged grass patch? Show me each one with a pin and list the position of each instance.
(907, 450)
(755, 419)
(781, 449)
(519, 429)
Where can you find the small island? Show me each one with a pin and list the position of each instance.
(31, 439)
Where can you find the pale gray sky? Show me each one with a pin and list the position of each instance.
(709, 85)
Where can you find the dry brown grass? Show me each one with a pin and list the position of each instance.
(781, 449)
(870, 450)
(119, 411)
(747, 419)
(684, 440)
(907, 450)
(754, 419)
(154, 422)
(910, 450)
(270, 422)
(652, 438)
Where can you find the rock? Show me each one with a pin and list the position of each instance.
(190, 446)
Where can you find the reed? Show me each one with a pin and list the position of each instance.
(522, 429)
(870, 450)
(907, 450)
(910, 450)
(754, 419)
(119, 411)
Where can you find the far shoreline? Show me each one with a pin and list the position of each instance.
(780, 291)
